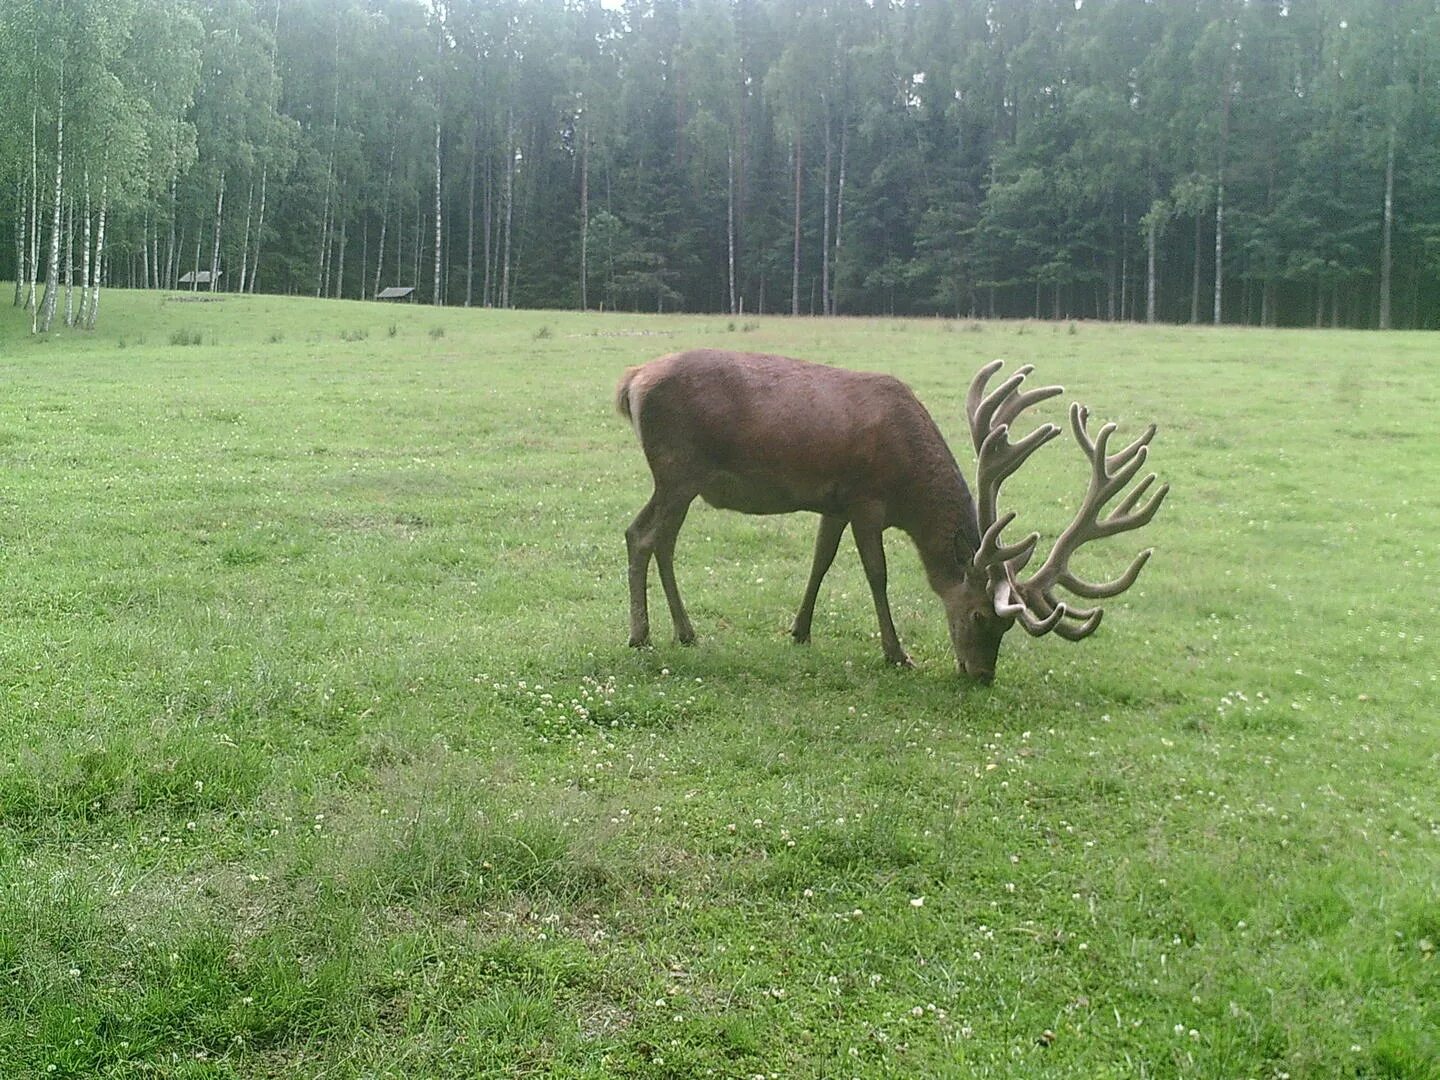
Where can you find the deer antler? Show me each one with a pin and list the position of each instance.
(1032, 602)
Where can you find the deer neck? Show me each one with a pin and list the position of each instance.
(944, 526)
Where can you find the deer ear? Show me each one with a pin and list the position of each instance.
(965, 548)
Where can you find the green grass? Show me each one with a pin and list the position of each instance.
(324, 754)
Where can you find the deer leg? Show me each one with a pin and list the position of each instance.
(868, 538)
(665, 560)
(653, 532)
(827, 542)
(639, 560)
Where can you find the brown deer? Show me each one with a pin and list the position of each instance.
(770, 435)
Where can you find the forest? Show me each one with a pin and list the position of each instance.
(1263, 162)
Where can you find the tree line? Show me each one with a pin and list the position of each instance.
(1271, 162)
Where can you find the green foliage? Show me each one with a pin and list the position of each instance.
(962, 159)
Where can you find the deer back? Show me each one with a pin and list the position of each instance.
(770, 434)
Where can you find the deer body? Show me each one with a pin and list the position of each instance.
(770, 435)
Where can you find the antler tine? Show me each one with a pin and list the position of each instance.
(1109, 474)
(974, 396)
(1072, 632)
(1107, 589)
(982, 416)
(991, 551)
(1122, 455)
(1036, 626)
(1010, 410)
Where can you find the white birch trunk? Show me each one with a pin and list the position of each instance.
(99, 253)
(245, 243)
(34, 224)
(83, 318)
(172, 248)
(70, 262)
(52, 274)
(259, 225)
(215, 250)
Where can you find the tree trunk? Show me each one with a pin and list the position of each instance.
(798, 157)
(215, 249)
(34, 228)
(245, 241)
(339, 291)
(194, 270)
(487, 294)
(840, 213)
(1219, 248)
(585, 221)
(172, 251)
(415, 253)
(19, 240)
(509, 213)
(1195, 276)
(83, 319)
(1150, 269)
(1387, 222)
(439, 298)
(259, 224)
(839, 216)
(70, 261)
(470, 225)
(384, 221)
(1124, 263)
(52, 274)
(144, 259)
(99, 253)
(825, 228)
(1220, 191)
(730, 227)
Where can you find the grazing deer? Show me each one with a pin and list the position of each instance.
(770, 435)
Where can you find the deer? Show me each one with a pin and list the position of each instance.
(764, 434)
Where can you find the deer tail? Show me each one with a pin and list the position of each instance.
(623, 404)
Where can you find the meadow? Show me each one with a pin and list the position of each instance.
(322, 753)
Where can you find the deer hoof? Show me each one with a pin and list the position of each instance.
(802, 637)
(902, 661)
(639, 641)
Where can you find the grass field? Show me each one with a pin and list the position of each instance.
(323, 753)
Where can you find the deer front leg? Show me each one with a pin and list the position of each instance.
(827, 542)
(868, 538)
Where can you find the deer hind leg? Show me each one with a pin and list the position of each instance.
(827, 542)
(653, 532)
(868, 538)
